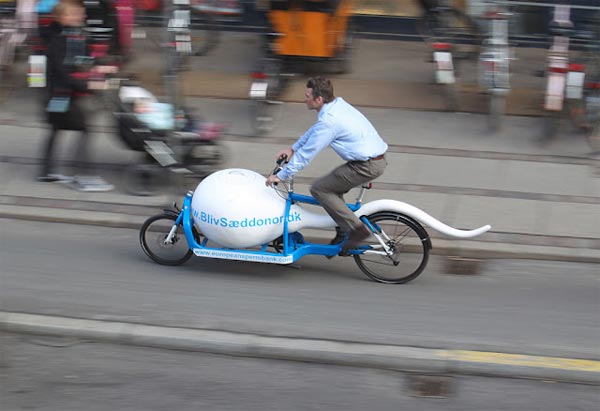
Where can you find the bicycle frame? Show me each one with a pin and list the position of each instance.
(243, 230)
(294, 244)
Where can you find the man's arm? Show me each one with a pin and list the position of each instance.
(319, 136)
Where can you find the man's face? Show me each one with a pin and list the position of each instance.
(311, 102)
(73, 16)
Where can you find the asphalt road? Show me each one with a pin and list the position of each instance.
(533, 307)
(42, 373)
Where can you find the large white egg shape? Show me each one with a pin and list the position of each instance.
(235, 209)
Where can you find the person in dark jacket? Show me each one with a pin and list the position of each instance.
(66, 51)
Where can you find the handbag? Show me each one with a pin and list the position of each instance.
(58, 105)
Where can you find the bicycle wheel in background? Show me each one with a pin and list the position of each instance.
(204, 32)
(409, 243)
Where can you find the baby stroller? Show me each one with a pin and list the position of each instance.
(178, 149)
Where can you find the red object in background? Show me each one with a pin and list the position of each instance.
(148, 5)
(99, 50)
(223, 7)
(126, 18)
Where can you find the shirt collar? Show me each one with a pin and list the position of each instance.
(327, 106)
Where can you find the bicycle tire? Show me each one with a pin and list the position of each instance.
(204, 33)
(161, 224)
(409, 243)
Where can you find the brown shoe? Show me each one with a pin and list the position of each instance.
(356, 238)
(339, 236)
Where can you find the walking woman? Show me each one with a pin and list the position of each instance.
(65, 49)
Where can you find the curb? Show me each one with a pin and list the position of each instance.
(389, 357)
(453, 248)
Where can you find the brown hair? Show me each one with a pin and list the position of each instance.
(321, 87)
(60, 7)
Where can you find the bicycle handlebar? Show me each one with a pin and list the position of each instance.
(282, 159)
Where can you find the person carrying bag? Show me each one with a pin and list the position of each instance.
(66, 83)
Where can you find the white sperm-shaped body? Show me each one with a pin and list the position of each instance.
(235, 209)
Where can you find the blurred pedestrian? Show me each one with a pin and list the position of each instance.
(66, 83)
(354, 139)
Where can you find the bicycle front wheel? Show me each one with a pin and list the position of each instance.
(408, 243)
(153, 234)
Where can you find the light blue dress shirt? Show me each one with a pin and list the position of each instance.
(342, 127)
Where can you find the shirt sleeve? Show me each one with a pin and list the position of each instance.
(319, 136)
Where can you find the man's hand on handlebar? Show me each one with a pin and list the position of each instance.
(272, 180)
(282, 157)
(286, 152)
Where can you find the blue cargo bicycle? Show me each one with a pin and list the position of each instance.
(232, 215)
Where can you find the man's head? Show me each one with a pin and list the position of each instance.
(319, 91)
(70, 13)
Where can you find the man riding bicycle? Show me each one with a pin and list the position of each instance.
(354, 139)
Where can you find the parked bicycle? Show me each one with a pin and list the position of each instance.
(441, 22)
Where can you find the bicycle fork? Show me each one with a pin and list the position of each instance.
(169, 238)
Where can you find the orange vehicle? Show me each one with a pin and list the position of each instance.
(310, 28)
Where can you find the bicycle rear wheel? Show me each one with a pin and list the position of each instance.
(408, 242)
(152, 239)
